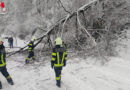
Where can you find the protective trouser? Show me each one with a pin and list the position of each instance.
(5, 73)
(58, 75)
(11, 44)
(31, 55)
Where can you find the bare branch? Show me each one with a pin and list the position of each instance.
(63, 7)
(91, 38)
(61, 21)
(64, 25)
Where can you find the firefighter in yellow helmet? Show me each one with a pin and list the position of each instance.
(3, 68)
(59, 57)
(31, 50)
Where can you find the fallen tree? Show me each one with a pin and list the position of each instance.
(62, 21)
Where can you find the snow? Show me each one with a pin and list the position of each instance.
(90, 2)
(79, 74)
(18, 43)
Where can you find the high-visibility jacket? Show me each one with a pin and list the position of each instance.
(2, 56)
(31, 46)
(59, 56)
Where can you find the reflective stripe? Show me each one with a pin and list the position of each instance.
(30, 49)
(30, 44)
(2, 65)
(58, 65)
(66, 56)
(2, 60)
(53, 54)
(53, 59)
(58, 61)
(63, 57)
(8, 77)
(66, 53)
(28, 59)
(58, 78)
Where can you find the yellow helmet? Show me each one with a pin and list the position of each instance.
(58, 41)
(33, 38)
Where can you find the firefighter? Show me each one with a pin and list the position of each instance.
(3, 68)
(30, 51)
(59, 57)
(10, 41)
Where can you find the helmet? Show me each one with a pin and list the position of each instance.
(58, 41)
(33, 38)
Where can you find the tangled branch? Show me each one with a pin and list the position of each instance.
(61, 21)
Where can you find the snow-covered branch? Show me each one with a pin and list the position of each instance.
(62, 21)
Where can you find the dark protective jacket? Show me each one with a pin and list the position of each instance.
(59, 56)
(31, 46)
(10, 40)
(2, 56)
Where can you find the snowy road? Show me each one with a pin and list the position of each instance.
(78, 75)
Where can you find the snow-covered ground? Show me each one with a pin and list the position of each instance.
(79, 74)
(17, 43)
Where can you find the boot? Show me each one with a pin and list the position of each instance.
(27, 61)
(58, 83)
(10, 81)
(34, 58)
(0, 85)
